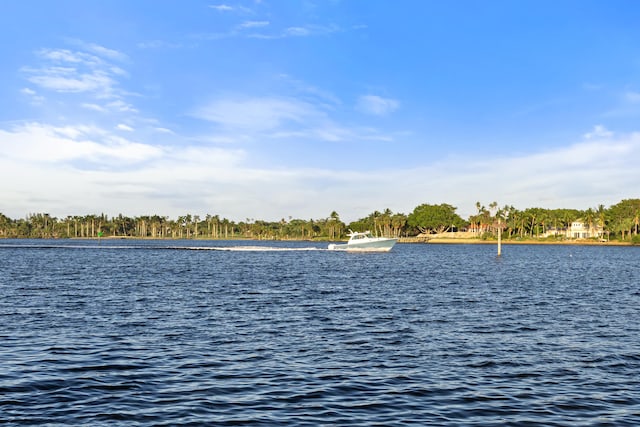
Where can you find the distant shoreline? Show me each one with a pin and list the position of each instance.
(467, 241)
(402, 240)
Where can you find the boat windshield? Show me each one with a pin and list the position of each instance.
(360, 236)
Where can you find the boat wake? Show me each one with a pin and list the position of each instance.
(245, 248)
(254, 248)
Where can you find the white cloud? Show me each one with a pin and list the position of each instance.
(598, 132)
(158, 44)
(221, 7)
(253, 24)
(232, 9)
(78, 169)
(94, 107)
(242, 118)
(579, 175)
(163, 130)
(310, 116)
(36, 144)
(96, 50)
(66, 71)
(106, 52)
(262, 29)
(309, 91)
(121, 106)
(124, 127)
(376, 105)
(297, 32)
(258, 114)
(32, 95)
(67, 56)
(65, 79)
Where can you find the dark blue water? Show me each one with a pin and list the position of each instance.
(145, 333)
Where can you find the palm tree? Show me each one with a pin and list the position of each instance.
(601, 212)
(543, 219)
(196, 220)
(384, 222)
(512, 219)
(478, 218)
(335, 225)
(531, 220)
(398, 222)
(5, 223)
(68, 223)
(589, 218)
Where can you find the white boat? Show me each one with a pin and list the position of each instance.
(364, 242)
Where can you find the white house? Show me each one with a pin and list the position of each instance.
(577, 230)
(580, 230)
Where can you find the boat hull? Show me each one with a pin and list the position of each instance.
(377, 245)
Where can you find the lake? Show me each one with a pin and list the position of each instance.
(125, 332)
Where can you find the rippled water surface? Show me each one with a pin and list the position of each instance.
(157, 333)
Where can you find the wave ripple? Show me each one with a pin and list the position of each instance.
(286, 334)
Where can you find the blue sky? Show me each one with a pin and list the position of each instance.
(276, 109)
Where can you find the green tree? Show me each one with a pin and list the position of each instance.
(589, 217)
(6, 225)
(434, 218)
(335, 227)
(625, 217)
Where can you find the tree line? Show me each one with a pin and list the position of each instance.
(620, 222)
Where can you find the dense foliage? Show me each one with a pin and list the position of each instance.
(620, 221)
(435, 218)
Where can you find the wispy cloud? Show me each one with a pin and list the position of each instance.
(308, 115)
(33, 96)
(253, 24)
(258, 114)
(598, 132)
(266, 31)
(221, 7)
(106, 52)
(333, 132)
(96, 49)
(121, 106)
(376, 105)
(28, 91)
(308, 90)
(164, 130)
(126, 128)
(158, 44)
(633, 97)
(65, 79)
(63, 70)
(627, 105)
(228, 8)
(94, 107)
(297, 31)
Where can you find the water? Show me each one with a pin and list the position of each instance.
(152, 333)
